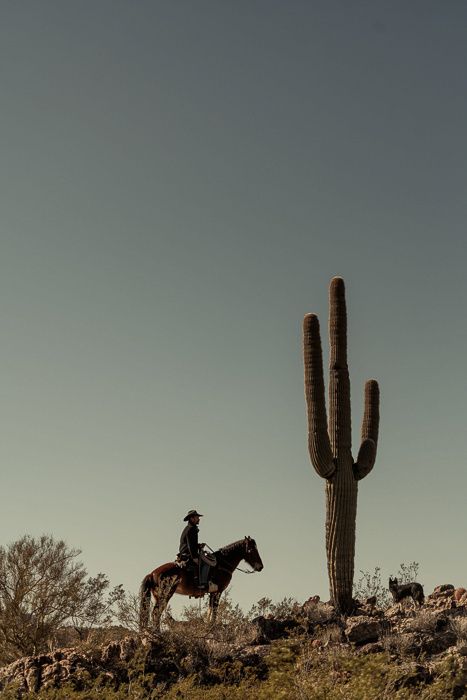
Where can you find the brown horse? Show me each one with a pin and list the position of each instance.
(169, 578)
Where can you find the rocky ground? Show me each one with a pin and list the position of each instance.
(419, 643)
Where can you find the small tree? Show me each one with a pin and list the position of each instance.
(128, 611)
(43, 585)
(96, 605)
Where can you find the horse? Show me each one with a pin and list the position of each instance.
(170, 578)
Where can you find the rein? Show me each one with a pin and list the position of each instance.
(244, 571)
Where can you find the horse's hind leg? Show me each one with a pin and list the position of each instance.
(162, 594)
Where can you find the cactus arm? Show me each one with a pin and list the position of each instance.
(339, 382)
(365, 459)
(318, 439)
(370, 426)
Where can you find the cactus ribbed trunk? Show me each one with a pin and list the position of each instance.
(330, 445)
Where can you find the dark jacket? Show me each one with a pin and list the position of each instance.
(189, 547)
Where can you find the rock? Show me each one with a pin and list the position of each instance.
(435, 644)
(269, 628)
(310, 603)
(444, 588)
(69, 666)
(394, 611)
(254, 657)
(120, 652)
(362, 630)
(459, 594)
(32, 675)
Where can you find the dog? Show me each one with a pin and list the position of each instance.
(406, 590)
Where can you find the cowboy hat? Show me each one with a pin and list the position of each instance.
(192, 513)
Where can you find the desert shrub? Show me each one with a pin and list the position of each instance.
(459, 626)
(43, 586)
(408, 572)
(370, 585)
(329, 634)
(284, 609)
(399, 644)
(231, 627)
(320, 614)
(423, 621)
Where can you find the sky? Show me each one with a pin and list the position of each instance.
(179, 182)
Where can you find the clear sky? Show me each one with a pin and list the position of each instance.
(179, 183)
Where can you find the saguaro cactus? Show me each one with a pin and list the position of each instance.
(330, 446)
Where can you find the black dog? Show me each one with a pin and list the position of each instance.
(406, 590)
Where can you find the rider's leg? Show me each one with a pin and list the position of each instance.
(203, 574)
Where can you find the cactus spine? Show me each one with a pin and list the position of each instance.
(330, 445)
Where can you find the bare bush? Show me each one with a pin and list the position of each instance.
(320, 613)
(408, 572)
(43, 586)
(128, 611)
(398, 643)
(459, 626)
(424, 621)
(329, 635)
(285, 608)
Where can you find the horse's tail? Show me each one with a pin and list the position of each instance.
(147, 586)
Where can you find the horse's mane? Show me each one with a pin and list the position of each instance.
(229, 548)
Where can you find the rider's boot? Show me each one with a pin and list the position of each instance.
(200, 586)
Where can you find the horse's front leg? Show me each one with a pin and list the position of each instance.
(214, 599)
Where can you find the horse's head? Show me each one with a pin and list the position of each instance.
(251, 554)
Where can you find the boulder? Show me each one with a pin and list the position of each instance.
(444, 588)
(437, 643)
(362, 630)
(268, 628)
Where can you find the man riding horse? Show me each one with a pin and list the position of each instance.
(191, 554)
(176, 577)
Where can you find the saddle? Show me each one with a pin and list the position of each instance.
(209, 558)
(206, 557)
(193, 571)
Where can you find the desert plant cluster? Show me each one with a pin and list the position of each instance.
(284, 650)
